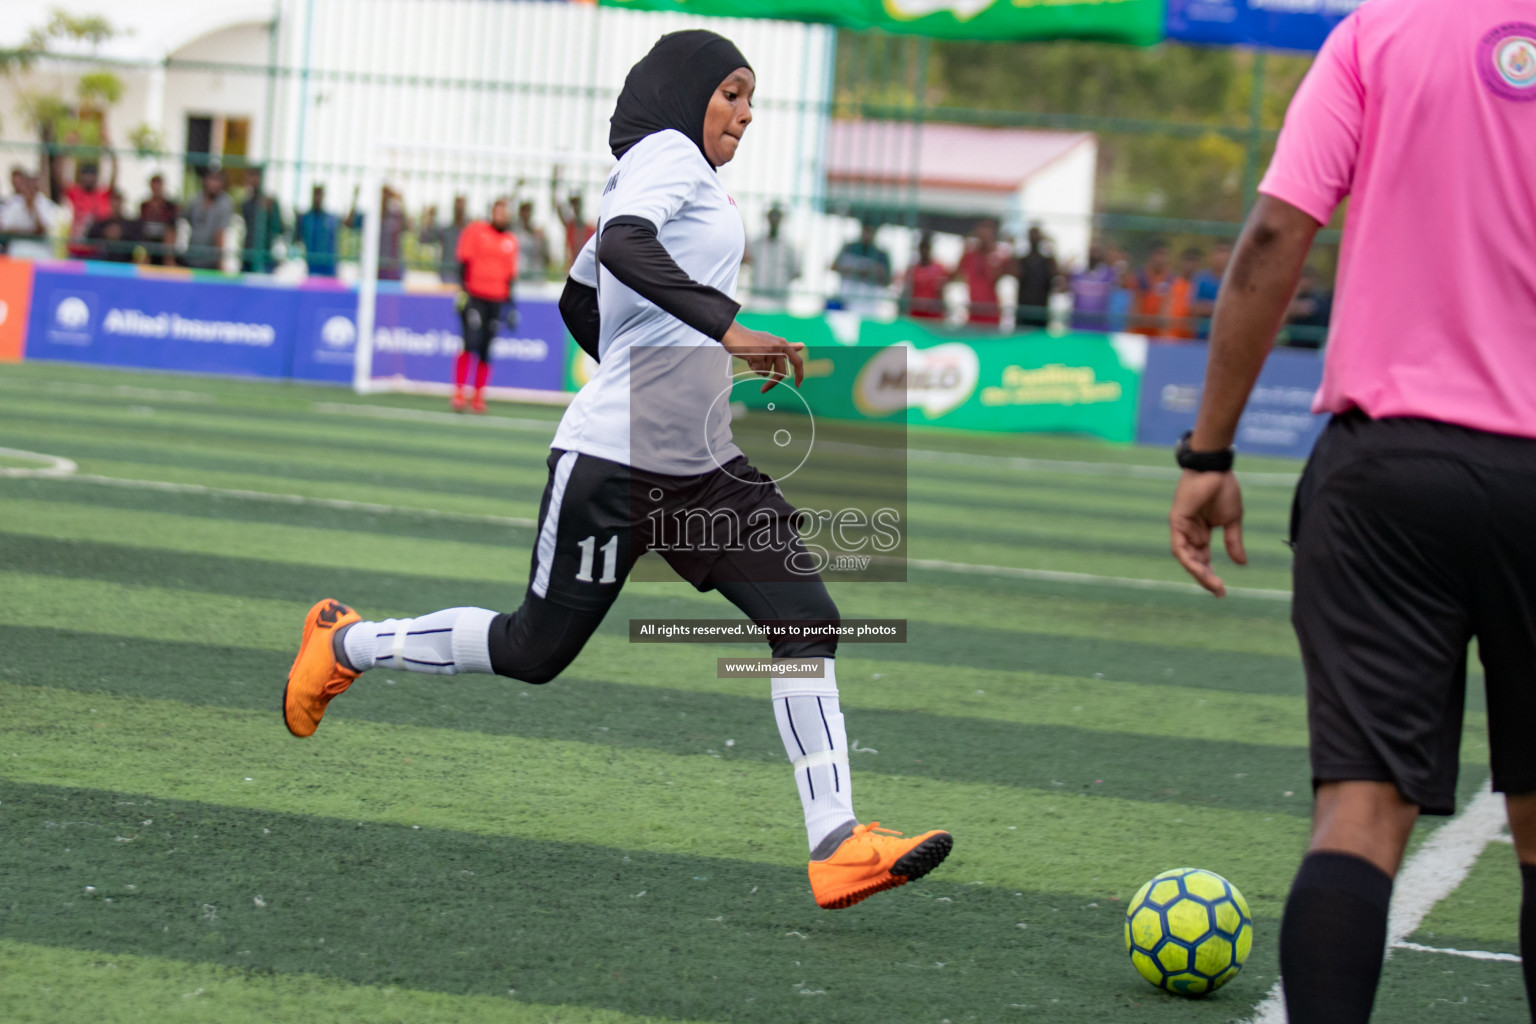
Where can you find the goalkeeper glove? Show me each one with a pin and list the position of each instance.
(461, 300)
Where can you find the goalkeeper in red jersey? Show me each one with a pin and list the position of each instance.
(487, 255)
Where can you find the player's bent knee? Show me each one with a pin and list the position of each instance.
(538, 641)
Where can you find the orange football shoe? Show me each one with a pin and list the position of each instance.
(316, 676)
(874, 859)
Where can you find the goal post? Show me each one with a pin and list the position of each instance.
(407, 327)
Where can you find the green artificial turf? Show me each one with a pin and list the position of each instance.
(622, 845)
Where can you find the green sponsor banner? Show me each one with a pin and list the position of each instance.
(903, 372)
(1121, 21)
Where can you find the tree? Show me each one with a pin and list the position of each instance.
(70, 117)
(1173, 121)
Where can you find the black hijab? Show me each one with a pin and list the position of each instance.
(671, 87)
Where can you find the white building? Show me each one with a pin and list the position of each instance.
(308, 88)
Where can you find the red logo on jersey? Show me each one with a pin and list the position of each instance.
(732, 199)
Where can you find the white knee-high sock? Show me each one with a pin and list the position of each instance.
(811, 726)
(444, 643)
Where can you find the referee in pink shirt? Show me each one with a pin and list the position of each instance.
(1414, 524)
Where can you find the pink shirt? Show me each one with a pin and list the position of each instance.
(1424, 112)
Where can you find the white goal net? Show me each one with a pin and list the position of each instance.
(409, 332)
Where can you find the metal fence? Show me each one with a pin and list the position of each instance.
(512, 98)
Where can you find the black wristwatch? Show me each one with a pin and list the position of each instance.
(1202, 462)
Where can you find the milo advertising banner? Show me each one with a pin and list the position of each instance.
(1073, 383)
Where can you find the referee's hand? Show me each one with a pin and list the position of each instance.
(767, 354)
(1201, 503)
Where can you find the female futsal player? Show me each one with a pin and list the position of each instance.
(645, 444)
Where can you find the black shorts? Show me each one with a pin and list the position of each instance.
(1412, 537)
(597, 517)
(480, 317)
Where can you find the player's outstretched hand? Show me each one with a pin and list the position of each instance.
(767, 354)
(1201, 503)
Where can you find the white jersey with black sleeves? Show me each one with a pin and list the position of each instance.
(660, 399)
(584, 270)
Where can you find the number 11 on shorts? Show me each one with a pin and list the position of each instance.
(610, 560)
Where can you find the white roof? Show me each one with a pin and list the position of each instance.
(950, 156)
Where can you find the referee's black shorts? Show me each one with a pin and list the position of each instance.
(1413, 537)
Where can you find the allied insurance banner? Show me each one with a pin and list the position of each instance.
(1278, 24)
(113, 316)
(1277, 421)
(1120, 21)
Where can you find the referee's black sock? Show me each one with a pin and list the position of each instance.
(1332, 939)
(1528, 932)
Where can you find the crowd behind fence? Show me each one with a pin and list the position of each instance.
(66, 208)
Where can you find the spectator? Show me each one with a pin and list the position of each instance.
(28, 218)
(864, 270)
(114, 238)
(982, 265)
(1092, 291)
(1309, 312)
(532, 246)
(922, 292)
(88, 200)
(1180, 324)
(446, 238)
(208, 217)
(1208, 286)
(18, 178)
(1122, 300)
(1153, 284)
(1036, 272)
(775, 265)
(317, 231)
(157, 223)
(393, 224)
(263, 226)
(577, 230)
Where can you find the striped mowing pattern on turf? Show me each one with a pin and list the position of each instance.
(623, 844)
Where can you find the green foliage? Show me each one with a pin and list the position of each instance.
(99, 88)
(91, 29)
(146, 140)
(50, 114)
(1147, 106)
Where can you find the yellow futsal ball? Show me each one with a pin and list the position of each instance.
(1188, 931)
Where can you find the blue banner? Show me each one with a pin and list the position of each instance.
(159, 324)
(1279, 418)
(1278, 24)
(104, 315)
(420, 336)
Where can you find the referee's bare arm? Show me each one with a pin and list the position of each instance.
(1250, 309)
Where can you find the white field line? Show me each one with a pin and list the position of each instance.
(56, 466)
(339, 504)
(1057, 576)
(118, 390)
(1064, 467)
(343, 505)
(1061, 466)
(1471, 954)
(384, 412)
(1430, 875)
(1442, 863)
(1069, 468)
